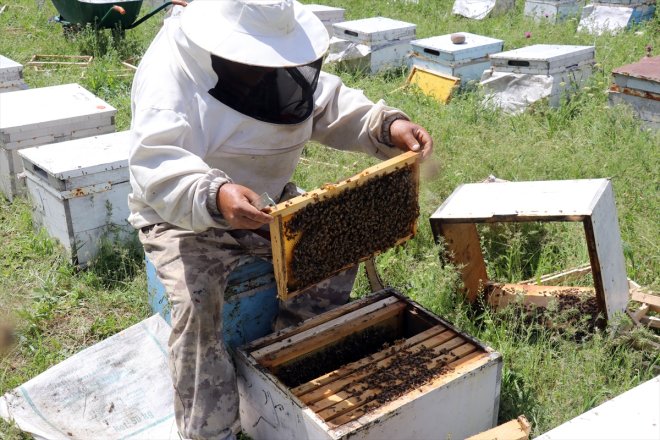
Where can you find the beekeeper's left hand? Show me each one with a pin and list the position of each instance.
(408, 136)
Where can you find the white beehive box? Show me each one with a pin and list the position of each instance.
(11, 75)
(34, 117)
(328, 15)
(480, 9)
(612, 17)
(467, 60)
(374, 44)
(520, 77)
(79, 191)
(552, 10)
(349, 400)
(638, 85)
(544, 59)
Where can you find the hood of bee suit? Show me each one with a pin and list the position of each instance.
(266, 33)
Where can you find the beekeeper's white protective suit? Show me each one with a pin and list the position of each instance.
(203, 140)
(188, 143)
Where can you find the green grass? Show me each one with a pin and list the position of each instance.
(549, 375)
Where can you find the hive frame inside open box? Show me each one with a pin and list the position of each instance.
(590, 201)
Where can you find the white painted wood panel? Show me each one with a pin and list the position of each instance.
(81, 157)
(34, 110)
(634, 414)
(607, 239)
(551, 198)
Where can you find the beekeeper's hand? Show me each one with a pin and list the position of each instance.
(408, 136)
(235, 205)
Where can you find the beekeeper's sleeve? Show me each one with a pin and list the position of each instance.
(344, 118)
(173, 182)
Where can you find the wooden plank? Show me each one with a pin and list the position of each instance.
(516, 429)
(561, 277)
(335, 404)
(340, 382)
(333, 333)
(501, 295)
(350, 368)
(566, 200)
(434, 84)
(465, 354)
(653, 301)
(650, 321)
(315, 321)
(285, 211)
(462, 240)
(606, 254)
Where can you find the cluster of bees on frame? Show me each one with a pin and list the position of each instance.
(350, 349)
(340, 231)
(407, 370)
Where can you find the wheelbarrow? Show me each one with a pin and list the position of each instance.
(115, 14)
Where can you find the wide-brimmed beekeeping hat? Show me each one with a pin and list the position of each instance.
(268, 33)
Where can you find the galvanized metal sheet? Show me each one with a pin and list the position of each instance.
(648, 68)
(543, 59)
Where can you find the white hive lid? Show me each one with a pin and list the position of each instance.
(550, 198)
(551, 53)
(76, 158)
(475, 46)
(322, 8)
(9, 65)
(374, 30)
(26, 110)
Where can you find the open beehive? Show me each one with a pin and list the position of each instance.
(380, 367)
(325, 231)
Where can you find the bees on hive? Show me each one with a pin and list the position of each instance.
(340, 231)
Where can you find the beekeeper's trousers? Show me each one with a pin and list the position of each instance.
(194, 268)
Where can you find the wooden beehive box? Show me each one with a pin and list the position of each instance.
(79, 191)
(378, 368)
(325, 231)
(467, 60)
(558, 71)
(553, 10)
(638, 85)
(46, 115)
(371, 44)
(11, 75)
(328, 15)
(589, 201)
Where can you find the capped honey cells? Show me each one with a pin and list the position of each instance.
(340, 231)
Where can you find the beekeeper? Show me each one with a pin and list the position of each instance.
(223, 102)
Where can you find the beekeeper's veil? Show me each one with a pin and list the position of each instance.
(267, 54)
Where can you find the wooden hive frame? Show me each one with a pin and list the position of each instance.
(344, 395)
(283, 246)
(589, 201)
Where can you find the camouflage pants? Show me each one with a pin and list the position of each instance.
(194, 268)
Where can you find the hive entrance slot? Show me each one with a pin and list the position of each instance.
(519, 63)
(432, 52)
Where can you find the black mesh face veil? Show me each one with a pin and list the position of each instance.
(277, 95)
